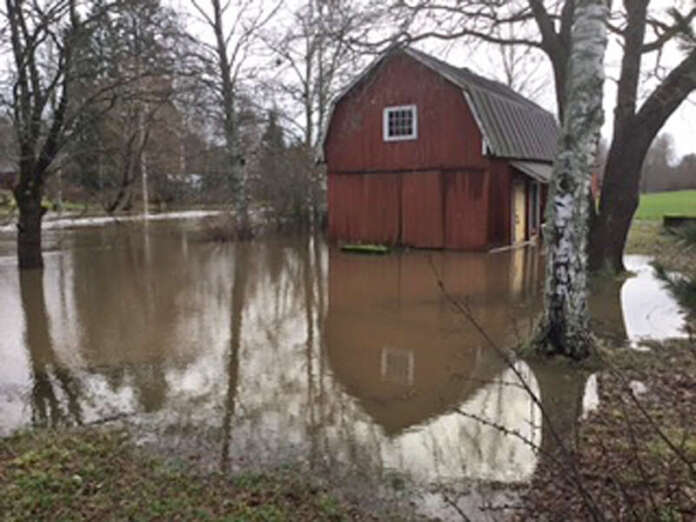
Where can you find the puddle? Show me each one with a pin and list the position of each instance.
(590, 398)
(649, 310)
(287, 350)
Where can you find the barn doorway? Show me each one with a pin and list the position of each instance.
(422, 210)
(519, 214)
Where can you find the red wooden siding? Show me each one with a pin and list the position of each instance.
(499, 211)
(466, 203)
(422, 210)
(436, 191)
(364, 208)
(448, 136)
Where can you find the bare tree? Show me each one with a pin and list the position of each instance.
(642, 33)
(43, 41)
(234, 25)
(70, 66)
(313, 58)
(140, 42)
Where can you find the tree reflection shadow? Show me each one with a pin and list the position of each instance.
(50, 378)
(238, 295)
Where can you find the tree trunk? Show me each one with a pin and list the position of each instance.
(619, 201)
(29, 228)
(564, 326)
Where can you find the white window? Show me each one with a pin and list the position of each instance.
(400, 123)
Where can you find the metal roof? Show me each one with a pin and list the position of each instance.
(535, 170)
(512, 126)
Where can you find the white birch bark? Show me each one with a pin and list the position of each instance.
(143, 162)
(564, 327)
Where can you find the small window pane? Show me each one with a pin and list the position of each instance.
(400, 122)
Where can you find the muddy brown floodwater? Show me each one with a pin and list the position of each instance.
(285, 349)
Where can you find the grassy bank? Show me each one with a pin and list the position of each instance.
(653, 206)
(674, 259)
(666, 248)
(8, 205)
(634, 457)
(96, 474)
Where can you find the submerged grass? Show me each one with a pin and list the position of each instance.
(686, 233)
(682, 287)
(674, 257)
(635, 455)
(366, 249)
(674, 249)
(98, 474)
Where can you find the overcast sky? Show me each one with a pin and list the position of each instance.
(485, 60)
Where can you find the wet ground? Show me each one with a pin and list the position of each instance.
(281, 350)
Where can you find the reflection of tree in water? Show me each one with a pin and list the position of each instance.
(310, 254)
(50, 378)
(150, 384)
(134, 301)
(561, 391)
(238, 294)
(606, 309)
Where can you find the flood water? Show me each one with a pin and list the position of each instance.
(287, 349)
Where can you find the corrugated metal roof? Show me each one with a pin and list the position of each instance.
(512, 125)
(534, 169)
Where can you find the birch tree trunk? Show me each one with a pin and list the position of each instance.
(564, 326)
(142, 159)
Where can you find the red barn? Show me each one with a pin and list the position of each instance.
(425, 154)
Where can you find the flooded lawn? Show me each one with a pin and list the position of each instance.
(281, 350)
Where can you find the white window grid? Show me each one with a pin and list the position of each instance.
(400, 123)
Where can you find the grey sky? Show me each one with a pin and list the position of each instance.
(486, 61)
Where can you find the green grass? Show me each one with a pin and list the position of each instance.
(92, 474)
(653, 206)
(6, 200)
(7, 204)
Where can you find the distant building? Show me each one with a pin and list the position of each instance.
(425, 154)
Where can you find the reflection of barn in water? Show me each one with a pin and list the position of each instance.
(395, 342)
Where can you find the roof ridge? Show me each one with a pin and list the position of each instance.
(508, 92)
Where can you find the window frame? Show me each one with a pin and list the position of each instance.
(534, 207)
(407, 356)
(385, 122)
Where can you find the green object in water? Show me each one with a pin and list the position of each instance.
(366, 249)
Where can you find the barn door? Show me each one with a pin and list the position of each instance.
(519, 215)
(422, 209)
